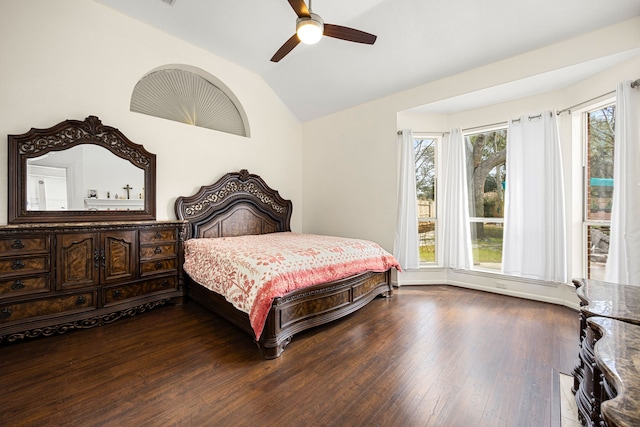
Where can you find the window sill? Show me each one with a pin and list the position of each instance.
(500, 276)
(429, 267)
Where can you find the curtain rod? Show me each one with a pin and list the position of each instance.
(487, 126)
(634, 84)
(467, 129)
(479, 127)
(568, 109)
(424, 131)
(500, 124)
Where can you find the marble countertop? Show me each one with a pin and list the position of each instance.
(45, 225)
(617, 354)
(607, 299)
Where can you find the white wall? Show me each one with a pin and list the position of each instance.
(349, 157)
(68, 59)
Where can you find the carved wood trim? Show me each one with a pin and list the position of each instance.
(67, 134)
(70, 133)
(223, 200)
(86, 323)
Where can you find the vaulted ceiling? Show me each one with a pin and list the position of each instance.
(419, 41)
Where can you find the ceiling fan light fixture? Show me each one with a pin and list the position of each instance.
(310, 30)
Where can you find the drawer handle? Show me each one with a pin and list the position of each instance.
(17, 265)
(81, 300)
(165, 283)
(5, 313)
(17, 244)
(17, 285)
(157, 250)
(117, 293)
(158, 235)
(158, 265)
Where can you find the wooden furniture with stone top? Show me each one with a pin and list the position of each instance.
(617, 363)
(607, 300)
(57, 277)
(63, 269)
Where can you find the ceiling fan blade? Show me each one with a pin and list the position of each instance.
(286, 48)
(349, 34)
(300, 8)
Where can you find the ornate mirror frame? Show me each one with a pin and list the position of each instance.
(64, 135)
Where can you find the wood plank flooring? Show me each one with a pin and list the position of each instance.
(428, 356)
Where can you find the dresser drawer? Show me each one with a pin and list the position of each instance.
(24, 245)
(24, 286)
(24, 265)
(157, 251)
(158, 235)
(158, 266)
(116, 294)
(65, 304)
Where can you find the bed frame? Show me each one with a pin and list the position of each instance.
(241, 203)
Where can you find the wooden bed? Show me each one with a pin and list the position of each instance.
(241, 204)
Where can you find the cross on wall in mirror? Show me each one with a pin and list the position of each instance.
(127, 187)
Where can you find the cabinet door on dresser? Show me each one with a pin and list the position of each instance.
(118, 256)
(77, 260)
(90, 259)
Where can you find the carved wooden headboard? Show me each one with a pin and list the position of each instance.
(237, 204)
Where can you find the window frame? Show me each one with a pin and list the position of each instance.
(586, 222)
(436, 190)
(486, 220)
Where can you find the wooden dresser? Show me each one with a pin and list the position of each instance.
(62, 276)
(617, 366)
(608, 310)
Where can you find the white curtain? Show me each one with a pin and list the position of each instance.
(623, 263)
(456, 234)
(534, 243)
(405, 247)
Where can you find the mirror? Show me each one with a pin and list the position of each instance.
(83, 178)
(79, 171)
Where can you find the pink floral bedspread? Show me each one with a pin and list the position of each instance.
(250, 271)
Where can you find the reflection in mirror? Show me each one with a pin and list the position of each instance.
(46, 188)
(84, 177)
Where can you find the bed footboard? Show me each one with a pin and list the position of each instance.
(300, 310)
(317, 305)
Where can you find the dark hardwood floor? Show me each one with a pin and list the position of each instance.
(428, 356)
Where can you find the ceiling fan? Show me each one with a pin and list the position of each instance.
(310, 28)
